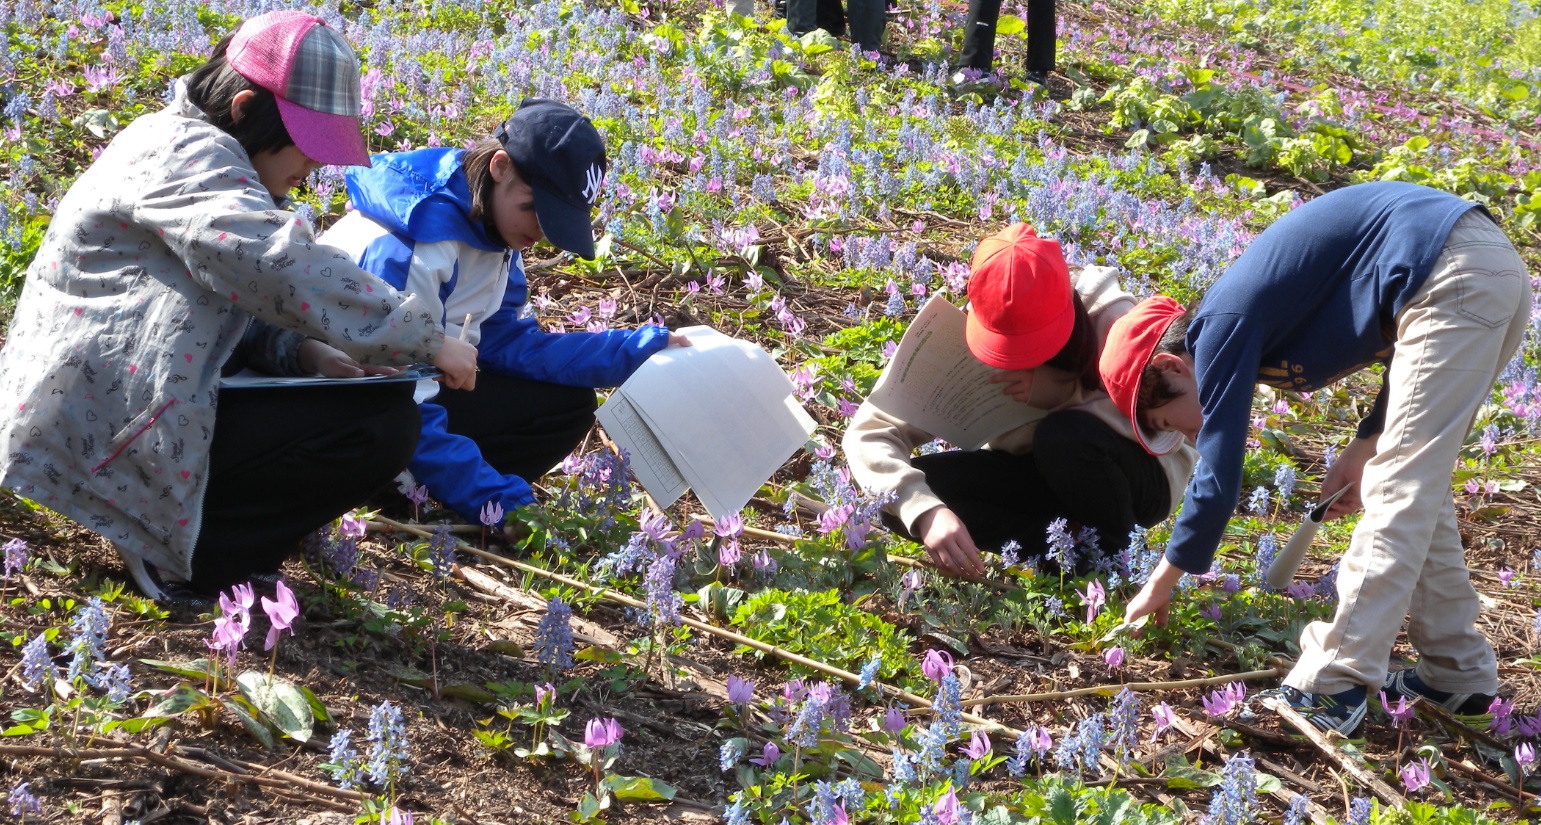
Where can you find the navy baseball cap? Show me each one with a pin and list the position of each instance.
(559, 153)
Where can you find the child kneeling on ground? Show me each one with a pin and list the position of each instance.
(449, 225)
(172, 262)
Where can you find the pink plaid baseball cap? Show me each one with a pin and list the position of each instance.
(314, 74)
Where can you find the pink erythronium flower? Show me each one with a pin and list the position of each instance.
(1094, 598)
(545, 692)
(351, 526)
(1217, 704)
(1415, 775)
(893, 721)
(1114, 656)
(768, 755)
(1040, 740)
(1525, 755)
(740, 691)
(937, 664)
(492, 514)
(946, 809)
(281, 614)
(600, 733)
(1399, 714)
(978, 746)
(1164, 717)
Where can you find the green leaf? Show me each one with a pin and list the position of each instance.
(1185, 776)
(638, 788)
(818, 42)
(177, 701)
(253, 725)
(1009, 24)
(1268, 783)
(279, 702)
(196, 669)
(317, 708)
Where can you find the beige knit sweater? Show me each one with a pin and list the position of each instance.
(879, 446)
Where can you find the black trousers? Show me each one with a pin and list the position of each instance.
(1080, 470)
(287, 460)
(522, 427)
(979, 36)
(868, 19)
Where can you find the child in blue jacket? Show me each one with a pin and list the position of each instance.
(449, 225)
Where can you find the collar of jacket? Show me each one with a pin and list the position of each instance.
(422, 194)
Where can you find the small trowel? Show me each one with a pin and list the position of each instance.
(1282, 571)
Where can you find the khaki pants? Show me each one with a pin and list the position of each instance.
(1452, 342)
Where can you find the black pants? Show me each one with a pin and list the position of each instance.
(868, 19)
(286, 461)
(522, 427)
(1080, 469)
(979, 36)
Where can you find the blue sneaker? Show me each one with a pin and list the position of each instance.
(1406, 683)
(1338, 712)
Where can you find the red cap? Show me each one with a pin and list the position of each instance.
(1131, 342)
(314, 74)
(1020, 310)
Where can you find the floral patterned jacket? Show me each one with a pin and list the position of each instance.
(154, 266)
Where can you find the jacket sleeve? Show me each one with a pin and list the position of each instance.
(878, 448)
(1227, 358)
(452, 469)
(217, 218)
(512, 343)
(267, 349)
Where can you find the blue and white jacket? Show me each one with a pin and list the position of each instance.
(411, 226)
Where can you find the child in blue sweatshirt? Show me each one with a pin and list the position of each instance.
(449, 225)
(1418, 279)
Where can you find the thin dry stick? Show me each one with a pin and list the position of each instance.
(785, 655)
(302, 789)
(1349, 766)
(1137, 687)
(771, 535)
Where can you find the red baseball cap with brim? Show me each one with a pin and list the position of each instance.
(1020, 309)
(314, 74)
(1131, 342)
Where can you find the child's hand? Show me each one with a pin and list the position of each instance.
(318, 357)
(1019, 383)
(678, 340)
(948, 543)
(1348, 469)
(457, 360)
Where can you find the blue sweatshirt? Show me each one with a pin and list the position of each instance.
(1313, 299)
(412, 227)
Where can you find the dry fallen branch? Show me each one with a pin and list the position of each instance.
(1137, 687)
(1360, 774)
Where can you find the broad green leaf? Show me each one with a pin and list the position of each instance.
(638, 788)
(1185, 776)
(177, 701)
(1009, 24)
(253, 725)
(818, 42)
(279, 702)
(196, 669)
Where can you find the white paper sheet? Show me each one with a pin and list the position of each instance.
(252, 378)
(935, 383)
(723, 412)
(650, 462)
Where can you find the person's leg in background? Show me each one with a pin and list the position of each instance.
(522, 427)
(287, 460)
(1041, 39)
(868, 20)
(979, 35)
(1098, 478)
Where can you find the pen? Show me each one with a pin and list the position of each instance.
(465, 327)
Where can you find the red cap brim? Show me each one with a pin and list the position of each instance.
(1019, 352)
(335, 140)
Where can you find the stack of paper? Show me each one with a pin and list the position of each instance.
(718, 417)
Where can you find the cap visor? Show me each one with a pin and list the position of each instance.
(1159, 443)
(335, 140)
(566, 227)
(1017, 352)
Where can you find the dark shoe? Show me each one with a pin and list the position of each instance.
(1406, 683)
(1338, 712)
(173, 594)
(1036, 76)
